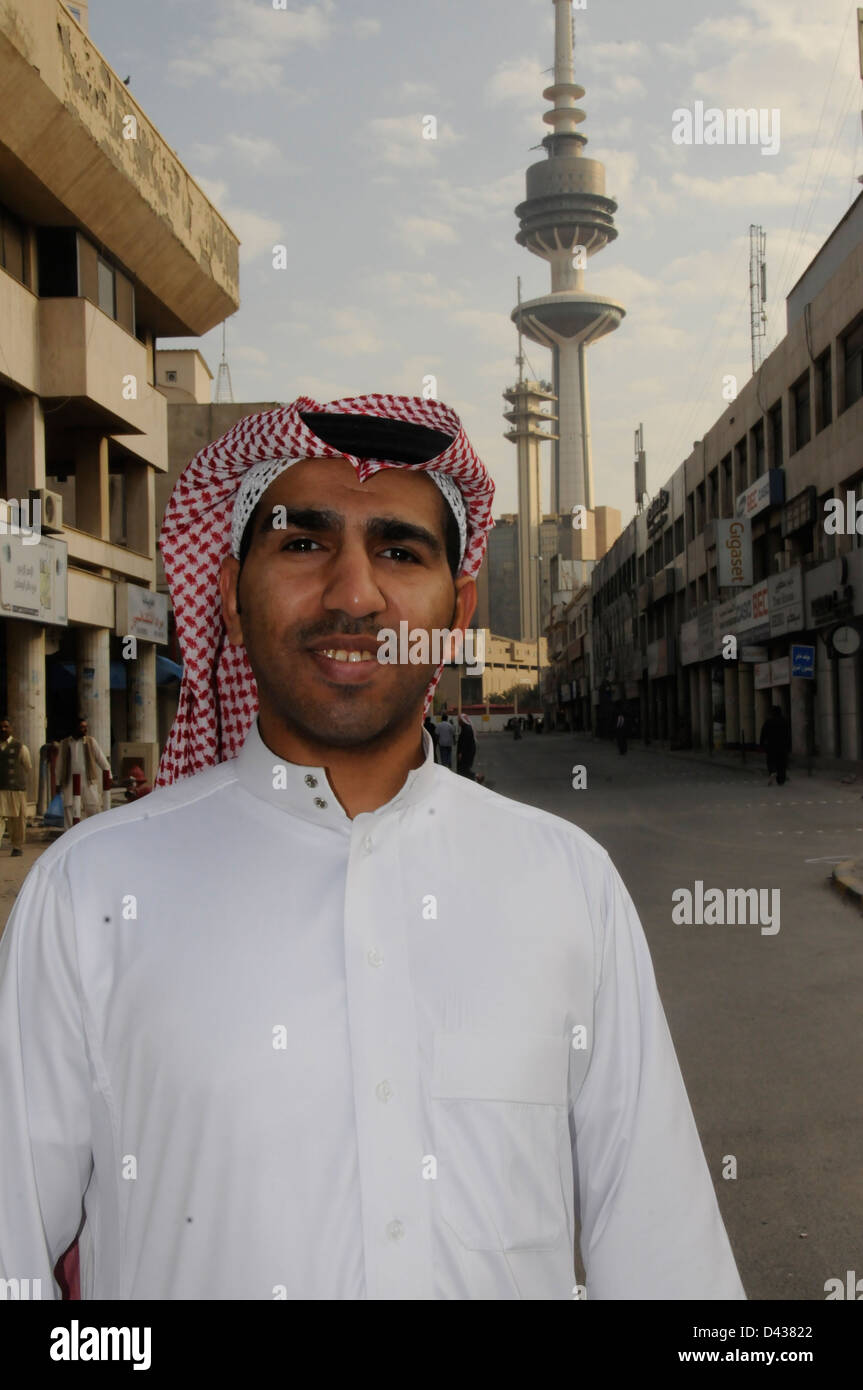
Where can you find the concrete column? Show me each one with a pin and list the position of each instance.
(849, 708)
(570, 428)
(140, 508)
(825, 722)
(92, 502)
(94, 683)
(746, 701)
(683, 705)
(141, 692)
(671, 704)
(25, 694)
(694, 707)
(801, 714)
(25, 446)
(732, 704)
(705, 700)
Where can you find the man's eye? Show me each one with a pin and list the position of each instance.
(298, 541)
(403, 554)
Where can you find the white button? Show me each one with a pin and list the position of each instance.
(383, 1091)
(368, 844)
(395, 1230)
(375, 958)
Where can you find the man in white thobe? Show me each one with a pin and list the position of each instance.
(80, 756)
(323, 1021)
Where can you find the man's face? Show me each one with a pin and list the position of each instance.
(82, 728)
(353, 558)
(5, 730)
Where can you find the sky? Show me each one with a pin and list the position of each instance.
(304, 126)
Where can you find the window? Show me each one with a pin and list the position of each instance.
(800, 408)
(106, 299)
(774, 420)
(668, 547)
(823, 391)
(13, 247)
(758, 454)
(852, 352)
(679, 540)
(170, 376)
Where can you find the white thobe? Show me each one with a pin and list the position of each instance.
(270, 1051)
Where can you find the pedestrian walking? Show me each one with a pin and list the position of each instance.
(15, 764)
(445, 740)
(776, 741)
(466, 750)
(431, 729)
(79, 773)
(620, 732)
(311, 952)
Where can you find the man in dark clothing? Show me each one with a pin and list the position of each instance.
(776, 742)
(466, 748)
(620, 732)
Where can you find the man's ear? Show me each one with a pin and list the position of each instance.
(229, 575)
(466, 599)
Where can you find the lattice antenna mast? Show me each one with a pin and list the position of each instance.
(224, 389)
(757, 294)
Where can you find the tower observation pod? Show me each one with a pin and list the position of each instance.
(566, 218)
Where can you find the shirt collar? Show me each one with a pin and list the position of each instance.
(305, 791)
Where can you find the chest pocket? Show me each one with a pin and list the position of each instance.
(501, 1134)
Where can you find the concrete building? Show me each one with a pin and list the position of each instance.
(695, 627)
(105, 243)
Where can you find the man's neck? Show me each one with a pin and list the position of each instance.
(363, 778)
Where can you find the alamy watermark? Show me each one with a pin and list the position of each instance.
(16, 519)
(420, 647)
(727, 906)
(735, 126)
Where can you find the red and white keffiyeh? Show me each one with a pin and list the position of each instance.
(218, 694)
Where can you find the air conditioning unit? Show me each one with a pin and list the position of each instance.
(51, 508)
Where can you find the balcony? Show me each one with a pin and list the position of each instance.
(86, 360)
(19, 315)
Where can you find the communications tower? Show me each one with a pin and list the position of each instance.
(567, 218)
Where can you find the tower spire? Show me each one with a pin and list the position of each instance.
(565, 115)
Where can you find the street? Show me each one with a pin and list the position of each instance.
(767, 1027)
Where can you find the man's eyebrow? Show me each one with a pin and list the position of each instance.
(393, 528)
(322, 519)
(302, 518)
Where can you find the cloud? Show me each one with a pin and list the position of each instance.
(366, 28)
(414, 91)
(413, 289)
(421, 233)
(517, 82)
(400, 140)
(243, 47)
(489, 325)
(352, 334)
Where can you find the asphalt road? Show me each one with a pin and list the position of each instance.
(767, 1027)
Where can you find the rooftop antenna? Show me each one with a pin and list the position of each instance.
(757, 293)
(224, 389)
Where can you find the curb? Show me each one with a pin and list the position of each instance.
(847, 878)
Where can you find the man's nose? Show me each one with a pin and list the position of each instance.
(352, 585)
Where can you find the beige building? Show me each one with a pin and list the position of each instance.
(105, 244)
(664, 603)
